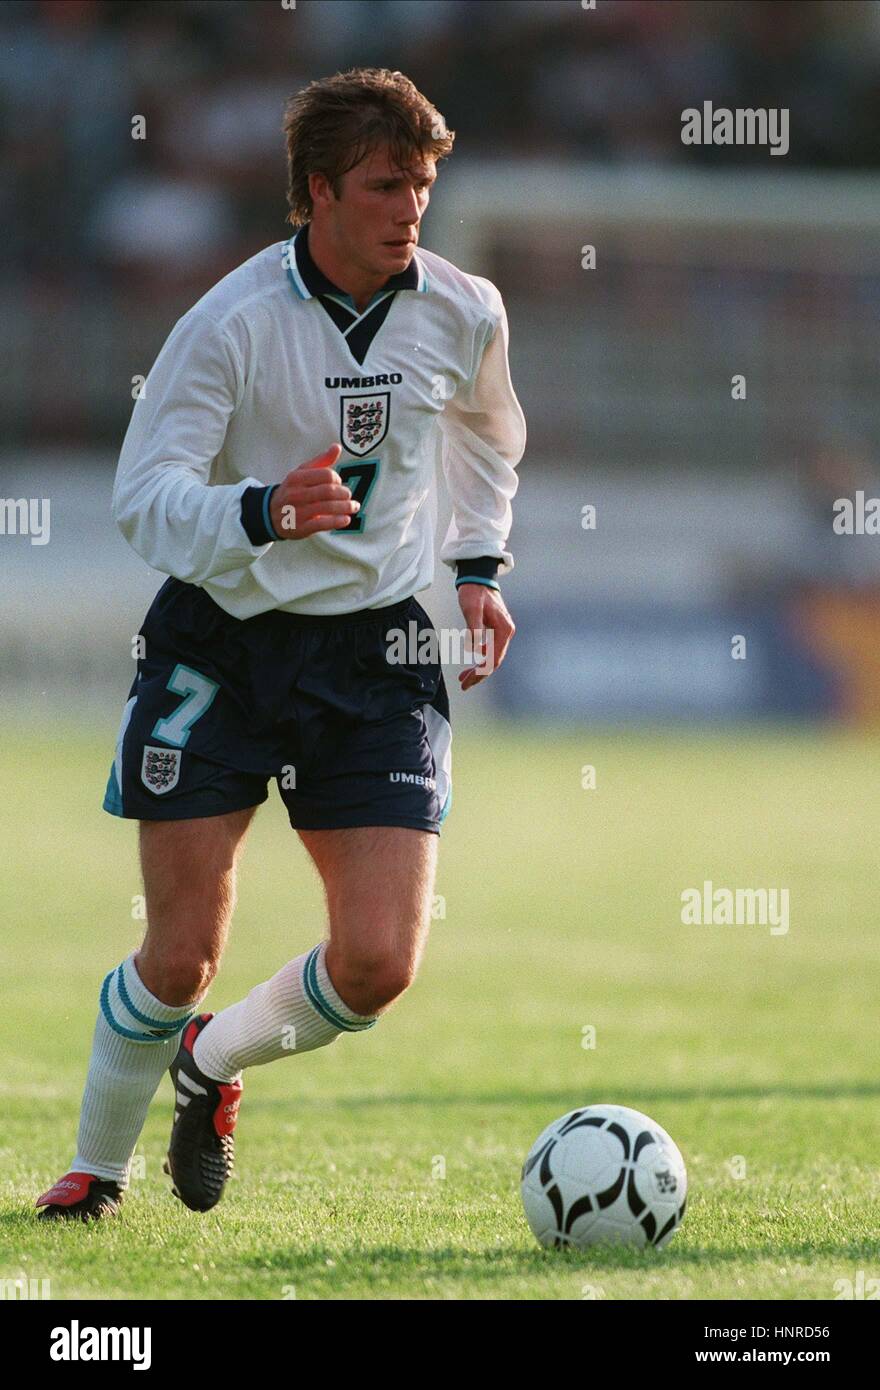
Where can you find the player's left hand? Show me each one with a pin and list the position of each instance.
(491, 628)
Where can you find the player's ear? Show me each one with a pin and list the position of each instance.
(321, 189)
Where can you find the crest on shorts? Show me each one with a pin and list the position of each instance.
(364, 421)
(160, 769)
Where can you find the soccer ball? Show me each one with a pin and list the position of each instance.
(604, 1174)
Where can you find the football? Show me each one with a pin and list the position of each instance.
(604, 1173)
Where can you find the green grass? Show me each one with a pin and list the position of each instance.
(562, 910)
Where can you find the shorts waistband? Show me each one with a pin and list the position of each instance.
(173, 589)
(341, 620)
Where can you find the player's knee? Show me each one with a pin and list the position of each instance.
(388, 984)
(178, 977)
(369, 982)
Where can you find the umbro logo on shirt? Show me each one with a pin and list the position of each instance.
(333, 383)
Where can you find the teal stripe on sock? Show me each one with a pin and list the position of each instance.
(117, 1027)
(156, 1025)
(319, 1003)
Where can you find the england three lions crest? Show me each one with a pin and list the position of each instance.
(364, 421)
(160, 769)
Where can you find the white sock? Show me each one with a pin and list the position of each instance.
(136, 1039)
(296, 1011)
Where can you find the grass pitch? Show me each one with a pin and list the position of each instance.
(386, 1166)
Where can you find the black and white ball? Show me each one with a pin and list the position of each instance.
(604, 1173)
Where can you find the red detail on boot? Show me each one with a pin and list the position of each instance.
(193, 1030)
(226, 1113)
(67, 1191)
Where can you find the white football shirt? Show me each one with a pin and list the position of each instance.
(271, 367)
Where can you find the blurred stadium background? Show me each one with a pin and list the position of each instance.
(714, 518)
(714, 515)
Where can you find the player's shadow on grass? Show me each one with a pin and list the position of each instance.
(566, 1100)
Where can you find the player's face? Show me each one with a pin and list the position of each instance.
(379, 210)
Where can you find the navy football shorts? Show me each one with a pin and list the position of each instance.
(220, 705)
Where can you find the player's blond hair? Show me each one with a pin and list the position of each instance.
(334, 122)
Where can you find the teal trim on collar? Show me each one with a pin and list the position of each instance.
(340, 297)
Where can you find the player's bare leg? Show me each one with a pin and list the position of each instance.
(379, 883)
(189, 870)
(189, 881)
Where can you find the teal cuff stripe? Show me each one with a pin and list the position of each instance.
(156, 1025)
(267, 515)
(117, 1027)
(319, 1003)
(477, 579)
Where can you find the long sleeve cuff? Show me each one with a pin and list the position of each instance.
(481, 571)
(255, 517)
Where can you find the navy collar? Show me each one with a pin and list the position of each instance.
(309, 281)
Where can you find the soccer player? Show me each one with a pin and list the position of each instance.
(279, 467)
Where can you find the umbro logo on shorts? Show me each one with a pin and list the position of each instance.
(415, 778)
(160, 769)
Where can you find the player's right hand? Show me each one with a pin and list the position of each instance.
(312, 498)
